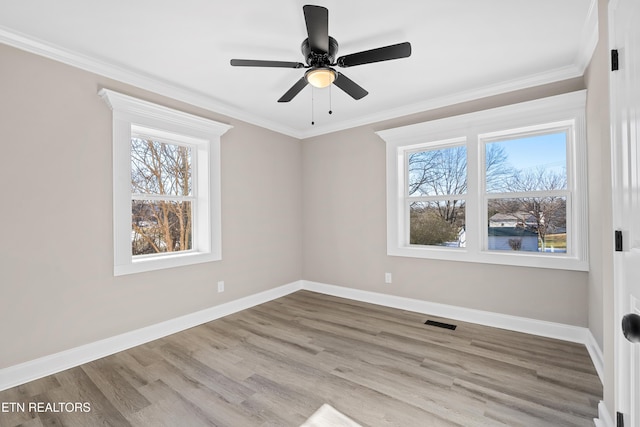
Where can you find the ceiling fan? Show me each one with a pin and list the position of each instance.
(319, 51)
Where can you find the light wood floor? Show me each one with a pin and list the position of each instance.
(277, 363)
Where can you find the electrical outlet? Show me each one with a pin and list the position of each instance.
(387, 277)
(221, 286)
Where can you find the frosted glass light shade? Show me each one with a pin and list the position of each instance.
(320, 77)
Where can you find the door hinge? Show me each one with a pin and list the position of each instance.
(618, 240)
(619, 419)
(614, 60)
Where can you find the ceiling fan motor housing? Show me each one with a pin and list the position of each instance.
(319, 59)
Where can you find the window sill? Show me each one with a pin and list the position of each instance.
(141, 265)
(550, 261)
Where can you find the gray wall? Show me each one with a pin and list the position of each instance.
(345, 231)
(57, 289)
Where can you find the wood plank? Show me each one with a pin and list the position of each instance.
(277, 363)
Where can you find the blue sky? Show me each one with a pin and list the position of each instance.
(548, 150)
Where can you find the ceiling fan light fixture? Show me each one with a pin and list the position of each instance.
(320, 77)
(319, 50)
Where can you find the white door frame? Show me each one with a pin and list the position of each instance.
(625, 173)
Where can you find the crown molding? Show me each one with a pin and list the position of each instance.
(153, 84)
(589, 38)
(135, 78)
(539, 79)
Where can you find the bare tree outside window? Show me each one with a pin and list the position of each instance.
(428, 227)
(529, 199)
(534, 192)
(437, 176)
(548, 213)
(437, 181)
(162, 202)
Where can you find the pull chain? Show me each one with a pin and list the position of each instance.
(313, 92)
(312, 98)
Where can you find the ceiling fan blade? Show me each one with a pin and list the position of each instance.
(295, 89)
(395, 51)
(317, 19)
(259, 63)
(349, 86)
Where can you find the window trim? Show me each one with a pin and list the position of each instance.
(533, 115)
(130, 116)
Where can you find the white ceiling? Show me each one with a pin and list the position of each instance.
(462, 49)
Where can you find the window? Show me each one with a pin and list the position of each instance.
(162, 201)
(502, 186)
(436, 188)
(527, 191)
(166, 186)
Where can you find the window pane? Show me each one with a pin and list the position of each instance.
(535, 163)
(160, 226)
(437, 172)
(439, 223)
(534, 224)
(160, 168)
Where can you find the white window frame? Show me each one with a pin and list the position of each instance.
(132, 116)
(565, 111)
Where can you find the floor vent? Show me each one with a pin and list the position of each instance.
(440, 325)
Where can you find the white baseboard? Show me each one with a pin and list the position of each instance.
(596, 354)
(47, 365)
(604, 417)
(543, 328)
(497, 320)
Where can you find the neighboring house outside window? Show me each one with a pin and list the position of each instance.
(502, 186)
(512, 238)
(516, 219)
(166, 186)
